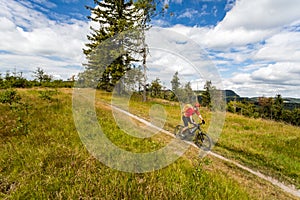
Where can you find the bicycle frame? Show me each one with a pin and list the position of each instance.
(200, 138)
(195, 128)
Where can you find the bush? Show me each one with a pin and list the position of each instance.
(47, 94)
(9, 96)
(15, 121)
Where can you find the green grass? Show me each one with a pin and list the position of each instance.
(268, 146)
(142, 109)
(272, 147)
(49, 160)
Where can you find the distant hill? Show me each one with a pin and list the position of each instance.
(233, 96)
(292, 100)
(230, 95)
(289, 103)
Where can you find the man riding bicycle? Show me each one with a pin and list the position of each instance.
(187, 115)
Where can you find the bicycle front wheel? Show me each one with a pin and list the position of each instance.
(204, 142)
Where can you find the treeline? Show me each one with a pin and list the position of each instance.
(214, 99)
(272, 108)
(265, 107)
(178, 92)
(132, 82)
(41, 79)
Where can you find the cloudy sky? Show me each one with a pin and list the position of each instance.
(253, 44)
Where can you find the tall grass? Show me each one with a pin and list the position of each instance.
(50, 162)
(269, 146)
(265, 145)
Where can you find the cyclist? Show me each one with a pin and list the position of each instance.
(187, 115)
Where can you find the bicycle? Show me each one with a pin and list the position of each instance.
(201, 139)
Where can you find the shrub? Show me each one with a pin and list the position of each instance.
(47, 94)
(9, 96)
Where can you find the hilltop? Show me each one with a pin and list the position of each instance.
(289, 102)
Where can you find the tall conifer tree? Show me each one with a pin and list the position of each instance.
(120, 32)
(108, 51)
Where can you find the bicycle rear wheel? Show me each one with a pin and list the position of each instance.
(203, 141)
(177, 131)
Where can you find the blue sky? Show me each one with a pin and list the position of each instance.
(195, 13)
(254, 45)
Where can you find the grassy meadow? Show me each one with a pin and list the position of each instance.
(42, 156)
(268, 146)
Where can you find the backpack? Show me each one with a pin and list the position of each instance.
(186, 107)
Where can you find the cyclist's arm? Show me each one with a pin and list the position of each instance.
(192, 120)
(199, 115)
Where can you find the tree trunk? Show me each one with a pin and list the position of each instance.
(144, 66)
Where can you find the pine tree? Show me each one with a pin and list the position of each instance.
(206, 97)
(108, 51)
(120, 31)
(155, 87)
(175, 82)
(278, 107)
(112, 17)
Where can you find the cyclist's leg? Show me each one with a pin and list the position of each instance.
(186, 123)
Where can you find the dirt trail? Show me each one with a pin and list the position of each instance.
(290, 189)
(287, 188)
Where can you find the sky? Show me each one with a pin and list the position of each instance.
(253, 45)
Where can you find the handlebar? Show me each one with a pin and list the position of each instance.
(200, 123)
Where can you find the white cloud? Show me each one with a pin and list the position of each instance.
(215, 11)
(261, 14)
(6, 25)
(196, 13)
(177, 1)
(284, 46)
(247, 22)
(229, 4)
(46, 3)
(240, 78)
(23, 16)
(188, 13)
(167, 2)
(171, 52)
(159, 23)
(256, 45)
(285, 73)
(257, 40)
(250, 68)
(29, 63)
(216, 38)
(267, 80)
(70, 1)
(210, 0)
(34, 40)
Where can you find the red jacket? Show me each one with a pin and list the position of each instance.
(190, 111)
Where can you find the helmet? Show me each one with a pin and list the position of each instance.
(197, 105)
